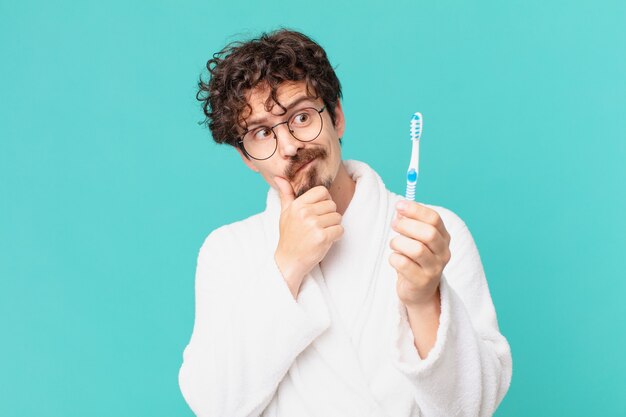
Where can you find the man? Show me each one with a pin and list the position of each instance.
(341, 298)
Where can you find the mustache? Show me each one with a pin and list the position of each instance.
(302, 158)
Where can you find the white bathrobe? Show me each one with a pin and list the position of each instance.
(344, 347)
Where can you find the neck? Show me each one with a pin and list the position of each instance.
(342, 189)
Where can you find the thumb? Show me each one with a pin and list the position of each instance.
(285, 191)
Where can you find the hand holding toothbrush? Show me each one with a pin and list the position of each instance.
(421, 252)
(422, 247)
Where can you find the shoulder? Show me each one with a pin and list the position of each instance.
(450, 219)
(233, 238)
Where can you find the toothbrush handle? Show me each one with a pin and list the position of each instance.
(411, 182)
(410, 192)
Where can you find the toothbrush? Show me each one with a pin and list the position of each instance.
(413, 171)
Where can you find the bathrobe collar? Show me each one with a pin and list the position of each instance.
(369, 188)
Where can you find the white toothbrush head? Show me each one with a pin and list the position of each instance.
(416, 126)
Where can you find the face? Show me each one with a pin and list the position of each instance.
(304, 164)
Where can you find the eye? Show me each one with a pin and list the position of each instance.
(301, 119)
(262, 133)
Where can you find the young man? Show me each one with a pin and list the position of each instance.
(341, 298)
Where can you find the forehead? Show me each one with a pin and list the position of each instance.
(286, 94)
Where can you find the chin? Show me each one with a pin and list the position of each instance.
(312, 179)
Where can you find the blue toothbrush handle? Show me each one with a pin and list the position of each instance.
(411, 182)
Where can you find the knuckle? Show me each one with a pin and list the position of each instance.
(329, 237)
(434, 218)
(398, 258)
(393, 259)
(419, 249)
(315, 222)
(304, 212)
(338, 233)
(319, 236)
(399, 226)
(311, 222)
(403, 261)
(322, 191)
(431, 233)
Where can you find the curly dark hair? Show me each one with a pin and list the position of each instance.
(271, 59)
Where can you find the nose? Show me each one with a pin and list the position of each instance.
(287, 144)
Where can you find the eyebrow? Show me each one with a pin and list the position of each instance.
(262, 120)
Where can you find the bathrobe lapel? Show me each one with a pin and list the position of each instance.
(352, 265)
(344, 282)
(340, 355)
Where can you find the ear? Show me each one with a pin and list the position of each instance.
(247, 161)
(340, 121)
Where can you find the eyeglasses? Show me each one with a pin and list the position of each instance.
(304, 125)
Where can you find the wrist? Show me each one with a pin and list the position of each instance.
(424, 323)
(292, 276)
(430, 306)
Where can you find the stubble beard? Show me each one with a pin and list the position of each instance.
(313, 180)
(311, 177)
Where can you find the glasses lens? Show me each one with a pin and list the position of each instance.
(306, 124)
(260, 143)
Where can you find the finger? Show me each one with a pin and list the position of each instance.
(315, 194)
(421, 232)
(334, 232)
(285, 191)
(329, 219)
(405, 266)
(415, 251)
(422, 213)
(323, 207)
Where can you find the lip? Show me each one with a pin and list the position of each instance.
(305, 165)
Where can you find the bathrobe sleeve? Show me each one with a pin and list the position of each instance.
(468, 371)
(248, 329)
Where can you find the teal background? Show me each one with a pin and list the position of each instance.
(108, 184)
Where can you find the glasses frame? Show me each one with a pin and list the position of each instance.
(243, 149)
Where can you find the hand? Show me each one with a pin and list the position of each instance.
(309, 225)
(421, 252)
